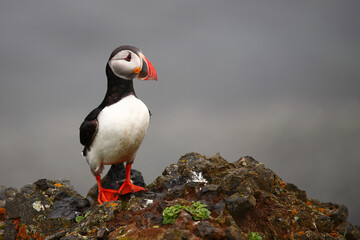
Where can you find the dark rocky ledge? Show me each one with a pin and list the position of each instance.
(242, 196)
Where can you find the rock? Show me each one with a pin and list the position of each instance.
(207, 231)
(153, 219)
(239, 197)
(56, 236)
(339, 213)
(183, 220)
(7, 192)
(239, 205)
(312, 236)
(299, 193)
(175, 234)
(323, 223)
(101, 233)
(175, 192)
(350, 231)
(231, 233)
(209, 191)
(43, 208)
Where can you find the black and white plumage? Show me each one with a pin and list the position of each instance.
(113, 131)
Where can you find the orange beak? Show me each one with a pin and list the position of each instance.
(147, 70)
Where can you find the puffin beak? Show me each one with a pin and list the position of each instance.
(147, 71)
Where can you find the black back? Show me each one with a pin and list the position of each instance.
(117, 89)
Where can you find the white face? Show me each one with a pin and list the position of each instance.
(125, 64)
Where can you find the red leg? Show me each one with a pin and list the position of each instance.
(127, 186)
(105, 195)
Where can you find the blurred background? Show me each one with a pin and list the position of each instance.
(277, 80)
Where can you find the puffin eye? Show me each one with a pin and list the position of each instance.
(128, 58)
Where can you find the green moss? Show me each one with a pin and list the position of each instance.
(171, 213)
(197, 210)
(79, 218)
(124, 238)
(254, 236)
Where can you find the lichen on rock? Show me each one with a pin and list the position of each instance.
(42, 208)
(241, 197)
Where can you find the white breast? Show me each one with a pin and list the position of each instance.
(122, 127)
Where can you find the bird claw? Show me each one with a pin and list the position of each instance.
(128, 187)
(107, 195)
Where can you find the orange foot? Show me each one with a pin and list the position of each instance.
(106, 195)
(128, 187)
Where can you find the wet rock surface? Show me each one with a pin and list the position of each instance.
(241, 196)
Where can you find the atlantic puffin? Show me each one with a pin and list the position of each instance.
(113, 132)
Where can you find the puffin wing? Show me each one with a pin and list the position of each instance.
(88, 129)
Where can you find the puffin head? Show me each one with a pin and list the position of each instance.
(128, 62)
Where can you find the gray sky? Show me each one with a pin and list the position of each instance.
(277, 80)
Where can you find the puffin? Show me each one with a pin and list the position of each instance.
(112, 133)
